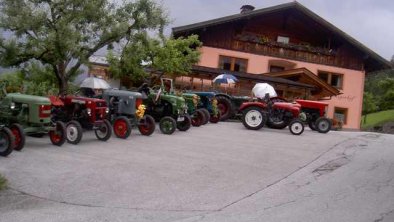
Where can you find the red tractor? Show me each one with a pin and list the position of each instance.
(82, 112)
(316, 115)
(280, 114)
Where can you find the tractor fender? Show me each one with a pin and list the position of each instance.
(224, 95)
(246, 105)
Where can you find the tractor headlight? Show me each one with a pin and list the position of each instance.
(12, 106)
(89, 111)
(107, 110)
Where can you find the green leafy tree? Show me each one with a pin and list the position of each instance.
(63, 34)
(143, 57)
(369, 105)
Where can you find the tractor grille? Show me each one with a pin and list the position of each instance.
(44, 111)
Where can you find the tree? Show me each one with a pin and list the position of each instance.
(369, 105)
(143, 56)
(63, 34)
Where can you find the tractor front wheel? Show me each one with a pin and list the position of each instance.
(58, 136)
(167, 125)
(122, 127)
(147, 125)
(206, 115)
(7, 141)
(74, 132)
(198, 118)
(214, 118)
(296, 127)
(19, 135)
(323, 125)
(253, 118)
(185, 124)
(104, 131)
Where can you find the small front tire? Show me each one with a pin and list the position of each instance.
(7, 141)
(74, 132)
(323, 125)
(104, 131)
(296, 127)
(167, 125)
(122, 127)
(58, 136)
(147, 125)
(19, 134)
(185, 124)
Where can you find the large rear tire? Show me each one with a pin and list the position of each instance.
(253, 118)
(20, 137)
(7, 141)
(225, 108)
(323, 125)
(74, 132)
(312, 125)
(276, 122)
(58, 136)
(104, 131)
(147, 125)
(185, 124)
(167, 125)
(122, 127)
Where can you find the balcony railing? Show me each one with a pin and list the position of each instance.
(293, 53)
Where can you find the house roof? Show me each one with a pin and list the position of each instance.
(303, 75)
(383, 63)
(250, 76)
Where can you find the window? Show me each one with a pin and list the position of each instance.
(283, 39)
(233, 64)
(334, 79)
(340, 114)
(276, 68)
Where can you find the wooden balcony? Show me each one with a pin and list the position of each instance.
(292, 52)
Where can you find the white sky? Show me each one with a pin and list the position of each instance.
(371, 22)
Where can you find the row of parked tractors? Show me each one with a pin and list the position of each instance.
(64, 118)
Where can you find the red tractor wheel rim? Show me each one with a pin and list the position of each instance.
(17, 135)
(196, 121)
(145, 127)
(222, 108)
(55, 136)
(120, 127)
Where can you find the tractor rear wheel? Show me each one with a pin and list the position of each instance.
(198, 118)
(275, 121)
(323, 125)
(104, 131)
(206, 115)
(19, 135)
(225, 108)
(147, 125)
(185, 124)
(167, 125)
(74, 132)
(122, 127)
(7, 141)
(253, 118)
(58, 136)
(296, 127)
(312, 125)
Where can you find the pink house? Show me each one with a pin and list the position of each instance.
(289, 43)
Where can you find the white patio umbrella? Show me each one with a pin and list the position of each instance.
(225, 78)
(95, 83)
(260, 89)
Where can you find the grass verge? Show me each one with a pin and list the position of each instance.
(3, 182)
(377, 119)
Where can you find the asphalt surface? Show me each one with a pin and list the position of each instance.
(219, 172)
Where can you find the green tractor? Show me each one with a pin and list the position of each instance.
(169, 109)
(199, 116)
(29, 115)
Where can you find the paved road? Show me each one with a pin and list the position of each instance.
(213, 173)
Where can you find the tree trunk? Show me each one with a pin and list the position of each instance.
(61, 75)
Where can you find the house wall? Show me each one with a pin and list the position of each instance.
(353, 80)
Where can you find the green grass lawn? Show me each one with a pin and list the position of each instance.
(377, 119)
(3, 182)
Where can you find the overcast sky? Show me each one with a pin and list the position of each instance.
(371, 22)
